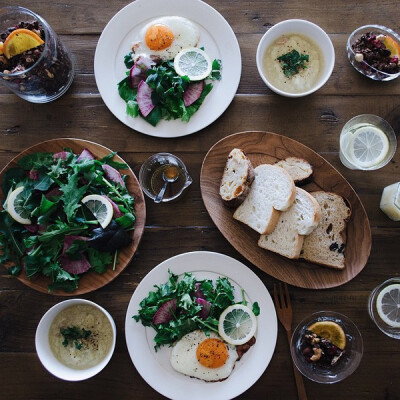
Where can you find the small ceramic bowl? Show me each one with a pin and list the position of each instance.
(345, 366)
(48, 359)
(305, 28)
(151, 181)
(362, 66)
(387, 329)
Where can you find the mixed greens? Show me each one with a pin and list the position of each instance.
(63, 239)
(292, 61)
(74, 336)
(180, 306)
(156, 91)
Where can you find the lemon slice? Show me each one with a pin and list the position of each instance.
(330, 330)
(194, 63)
(388, 305)
(19, 41)
(100, 207)
(237, 324)
(15, 206)
(369, 146)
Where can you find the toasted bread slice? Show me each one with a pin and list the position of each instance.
(272, 191)
(237, 178)
(326, 244)
(299, 169)
(301, 219)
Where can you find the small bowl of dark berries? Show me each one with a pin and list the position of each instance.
(374, 51)
(327, 347)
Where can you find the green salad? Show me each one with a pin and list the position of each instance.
(64, 214)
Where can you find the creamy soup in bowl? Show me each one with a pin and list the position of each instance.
(75, 339)
(295, 58)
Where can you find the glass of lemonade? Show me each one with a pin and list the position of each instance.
(367, 142)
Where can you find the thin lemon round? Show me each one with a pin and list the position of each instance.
(388, 305)
(100, 207)
(15, 207)
(194, 63)
(19, 41)
(330, 330)
(237, 324)
(369, 146)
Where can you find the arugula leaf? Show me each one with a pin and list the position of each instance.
(11, 177)
(99, 260)
(216, 70)
(126, 221)
(11, 236)
(72, 195)
(128, 61)
(43, 183)
(35, 161)
(256, 309)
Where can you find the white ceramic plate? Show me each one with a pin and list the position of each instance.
(155, 367)
(216, 36)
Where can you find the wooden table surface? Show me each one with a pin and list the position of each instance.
(185, 226)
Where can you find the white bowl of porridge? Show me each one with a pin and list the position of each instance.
(75, 339)
(295, 58)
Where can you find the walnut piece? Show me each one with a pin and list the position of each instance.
(317, 354)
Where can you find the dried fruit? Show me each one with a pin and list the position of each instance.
(19, 41)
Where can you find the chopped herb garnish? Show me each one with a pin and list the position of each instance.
(291, 62)
(73, 336)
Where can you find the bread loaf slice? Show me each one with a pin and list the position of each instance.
(299, 169)
(301, 219)
(237, 178)
(326, 244)
(272, 191)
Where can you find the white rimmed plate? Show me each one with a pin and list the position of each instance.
(216, 36)
(155, 367)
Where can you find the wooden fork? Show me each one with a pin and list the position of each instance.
(284, 310)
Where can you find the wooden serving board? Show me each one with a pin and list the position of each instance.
(265, 147)
(90, 280)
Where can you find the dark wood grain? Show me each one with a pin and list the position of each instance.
(267, 148)
(91, 280)
(173, 228)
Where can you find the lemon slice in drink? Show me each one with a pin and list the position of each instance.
(369, 146)
(194, 63)
(100, 207)
(388, 305)
(237, 324)
(15, 206)
(330, 330)
(19, 41)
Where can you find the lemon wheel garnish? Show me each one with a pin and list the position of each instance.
(388, 305)
(369, 147)
(330, 330)
(100, 207)
(237, 324)
(19, 41)
(16, 208)
(194, 63)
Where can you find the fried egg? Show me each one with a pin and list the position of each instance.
(165, 37)
(204, 357)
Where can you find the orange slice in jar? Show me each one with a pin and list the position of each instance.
(19, 41)
(393, 46)
(1, 48)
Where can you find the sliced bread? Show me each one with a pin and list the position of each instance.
(326, 244)
(299, 169)
(301, 219)
(272, 191)
(237, 178)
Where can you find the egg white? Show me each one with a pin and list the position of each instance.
(186, 34)
(184, 360)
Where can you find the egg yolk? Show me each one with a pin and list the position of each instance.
(159, 37)
(212, 353)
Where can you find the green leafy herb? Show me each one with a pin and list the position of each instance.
(292, 61)
(74, 336)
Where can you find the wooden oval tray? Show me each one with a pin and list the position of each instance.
(90, 280)
(265, 147)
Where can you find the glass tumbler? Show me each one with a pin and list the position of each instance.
(39, 75)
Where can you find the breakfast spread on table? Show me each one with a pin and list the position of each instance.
(68, 214)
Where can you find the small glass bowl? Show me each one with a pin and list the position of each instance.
(151, 181)
(373, 312)
(362, 66)
(346, 366)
